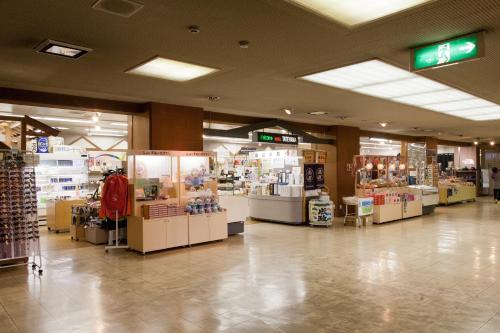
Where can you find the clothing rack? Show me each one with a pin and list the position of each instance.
(119, 171)
(19, 234)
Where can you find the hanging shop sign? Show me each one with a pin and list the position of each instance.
(314, 176)
(42, 144)
(448, 52)
(288, 139)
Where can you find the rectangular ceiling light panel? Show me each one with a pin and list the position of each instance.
(356, 12)
(382, 80)
(172, 70)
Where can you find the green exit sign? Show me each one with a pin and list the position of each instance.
(448, 52)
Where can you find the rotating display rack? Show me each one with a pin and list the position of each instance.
(19, 235)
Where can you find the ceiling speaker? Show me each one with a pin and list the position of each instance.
(123, 8)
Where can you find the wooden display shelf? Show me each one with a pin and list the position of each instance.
(464, 193)
(59, 214)
(169, 232)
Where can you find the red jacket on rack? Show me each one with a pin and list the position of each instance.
(114, 197)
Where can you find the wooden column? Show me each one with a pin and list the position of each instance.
(175, 127)
(347, 139)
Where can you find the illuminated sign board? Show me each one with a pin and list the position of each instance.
(286, 139)
(448, 52)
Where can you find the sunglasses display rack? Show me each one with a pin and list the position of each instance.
(19, 235)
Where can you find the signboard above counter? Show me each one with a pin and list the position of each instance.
(447, 52)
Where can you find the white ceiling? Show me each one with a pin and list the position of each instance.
(286, 41)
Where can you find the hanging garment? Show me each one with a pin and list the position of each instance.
(114, 197)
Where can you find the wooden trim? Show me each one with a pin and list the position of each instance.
(38, 98)
(454, 143)
(84, 138)
(116, 144)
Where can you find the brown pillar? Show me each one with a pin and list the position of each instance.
(347, 139)
(175, 127)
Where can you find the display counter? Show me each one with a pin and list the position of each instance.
(394, 203)
(430, 197)
(59, 214)
(277, 208)
(449, 194)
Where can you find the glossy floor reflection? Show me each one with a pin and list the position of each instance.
(430, 274)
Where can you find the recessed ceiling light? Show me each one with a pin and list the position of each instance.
(492, 143)
(62, 49)
(317, 113)
(173, 70)
(476, 143)
(287, 111)
(383, 124)
(379, 79)
(355, 12)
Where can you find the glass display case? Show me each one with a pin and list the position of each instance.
(374, 171)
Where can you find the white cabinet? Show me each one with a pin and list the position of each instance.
(217, 225)
(177, 231)
(199, 230)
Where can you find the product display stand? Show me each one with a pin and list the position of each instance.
(19, 236)
(117, 239)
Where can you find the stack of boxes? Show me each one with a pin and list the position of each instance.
(161, 210)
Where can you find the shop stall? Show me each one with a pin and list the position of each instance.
(385, 179)
(174, 200)
(455, 190)
(459, 179)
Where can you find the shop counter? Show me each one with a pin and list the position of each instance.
(388, 212)
(146, 235)
(274, 208)
(458, 193)
(237, 207)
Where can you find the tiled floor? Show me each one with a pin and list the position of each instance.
(431, 274)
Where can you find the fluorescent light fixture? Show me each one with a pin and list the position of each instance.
(317, 113)
(66, 120)
(4, 107)
(120, 124)
(105, 134)
(356, 12)
(10, 115)
(106, 130)
(172, 70)
(62, 128)
(434, 97)
(62, 49)
(399, 88)
(382, 80)
(378, 140)
(460, 105)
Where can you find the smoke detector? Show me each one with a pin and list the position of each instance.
(123, 8)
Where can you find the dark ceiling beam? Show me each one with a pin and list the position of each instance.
(52, 100)
(225, 118)
(46, 129)
(242, 131)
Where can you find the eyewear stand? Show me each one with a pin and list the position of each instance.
(19, 234)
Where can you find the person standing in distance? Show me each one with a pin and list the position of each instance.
(495, 176)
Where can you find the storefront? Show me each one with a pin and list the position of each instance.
(265, 175)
